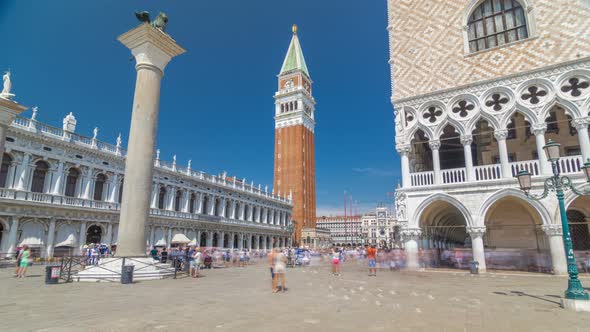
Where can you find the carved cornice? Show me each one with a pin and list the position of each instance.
(476, 232)
(552, 230)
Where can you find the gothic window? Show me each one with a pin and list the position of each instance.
(511, 129)
(6, 161)
(463, 108)
(72, 182)
(177, 200)
(532, 95)
(495, 23)
(39, 175)
(431, 114)
(99, 186)
(574, 87)
(161, 198)
(497, 100)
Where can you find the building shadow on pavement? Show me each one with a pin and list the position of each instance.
(519, 293)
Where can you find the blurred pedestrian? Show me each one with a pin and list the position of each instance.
(24, 262)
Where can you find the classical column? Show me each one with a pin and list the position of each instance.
(152, 50)
(200, 203)
(223, 207)
(151, 238)
(209, 239)
(221, 239)
(479, 256)
(469, 170)
(109, 239)
(88, 179)
(212, 200)
(82, 237)
(186, 201)
(555, 236)
(258, 214)
(169, 238)
(404, 151)
(503, 151)
(23, 172)
(410, 237)
(9, 110)
(233, 213)
(544, 165)
(231, 241)
(11, 247)
(59, 178)
(114, 188)
(582, 128)
(155, 195)
(171, 192)
(50, 239)
(435, 146)
(241, 241)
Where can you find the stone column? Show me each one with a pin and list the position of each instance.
(231, 241)
(168, 239)
(50, 239)
(114, 188)
(212, 200)
(404, 151)
(88, 180)
(477, 247)
(11, 247)
(9, 110)
(582, 128)
(435, 146)
(241, 241)
(410, 237)
(544, 165)
(155, 195)
(186, 200)
(82, 237)
(199, 244)
(23, 172)
(109, 238)
(209, 239)
(221, 239)
(152, 50)
(59, 178)
(171, 192)
(151, 236)
(503, 151)
(200, 203)
(469, 170)
(555, 236)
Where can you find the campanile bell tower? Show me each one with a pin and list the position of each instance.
(294, 138)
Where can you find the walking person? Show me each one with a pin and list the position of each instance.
(25, 260)
(335, 262)
(271, 265)
(372, 256)
(279, 270)
(17, 256)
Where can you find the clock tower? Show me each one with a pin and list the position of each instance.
(294, 170)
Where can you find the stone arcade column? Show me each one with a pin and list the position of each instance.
(503, 151)
(82, 237)
(582, 128)
(476, 234)
(404, 151)
(435, 146)
(9, 110)
(152, 50)
(469, 170)
(544, 165)
(410, 237)
(50, 239)
(555, 237)
(12, 236)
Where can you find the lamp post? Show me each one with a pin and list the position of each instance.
(559, 184)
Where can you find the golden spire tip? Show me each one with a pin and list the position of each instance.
(294, 28)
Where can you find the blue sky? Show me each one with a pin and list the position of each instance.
(217, 105)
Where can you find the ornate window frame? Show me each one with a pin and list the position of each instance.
(529, 11)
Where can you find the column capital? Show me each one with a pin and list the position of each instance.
(434, 144)
(403, 148)
(411, 233)
(581, 123)
(466, 139)
(476, 231)
(150, 46)
(501, 134)
(552, 230)
(539, 128)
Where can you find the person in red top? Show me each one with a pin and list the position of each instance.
(372, 256)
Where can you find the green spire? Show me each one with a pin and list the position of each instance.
(294, 59)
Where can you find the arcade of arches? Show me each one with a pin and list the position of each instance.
(512, 236)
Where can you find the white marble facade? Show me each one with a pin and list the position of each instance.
(60, 190)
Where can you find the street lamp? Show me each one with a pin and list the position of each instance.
(559, 184)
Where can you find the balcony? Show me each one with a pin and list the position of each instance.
(56, 200)
(566, 165)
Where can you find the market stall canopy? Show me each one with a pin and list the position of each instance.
(180, 238)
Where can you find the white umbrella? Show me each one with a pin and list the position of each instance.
(180, 239)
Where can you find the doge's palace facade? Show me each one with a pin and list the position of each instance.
(60, 190)
(478, 87)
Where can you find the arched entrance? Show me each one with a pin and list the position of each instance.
(444, 241)
(93, 234)
(203, 239)
(578, 216)
(514, 239)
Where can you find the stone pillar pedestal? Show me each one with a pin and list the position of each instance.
(152, 50)
(558, 259)
(410, 237)
(479, 255)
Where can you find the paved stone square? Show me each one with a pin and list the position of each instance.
(240, 299)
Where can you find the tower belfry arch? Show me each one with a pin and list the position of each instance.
(294, 170)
